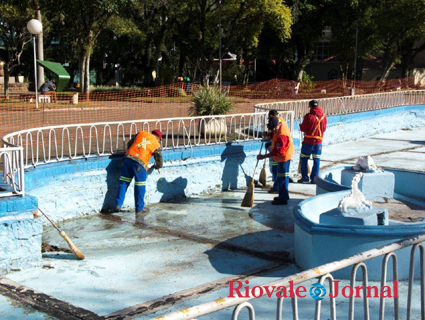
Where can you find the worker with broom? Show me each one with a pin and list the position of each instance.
(141, 148)
(275, 187)
(282, 150)
(314, 127)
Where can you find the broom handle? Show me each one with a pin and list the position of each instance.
(255, 169)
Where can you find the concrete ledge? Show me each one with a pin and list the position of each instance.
(20, 234)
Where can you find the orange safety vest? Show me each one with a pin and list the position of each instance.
(142, 148)
(289, 149)
(281, 120)
(317, 128)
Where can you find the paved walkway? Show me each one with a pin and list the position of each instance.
(187, 251)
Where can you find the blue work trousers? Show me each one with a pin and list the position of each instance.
(306, 151)
(283, 179)
(274, 174)
(132, 169)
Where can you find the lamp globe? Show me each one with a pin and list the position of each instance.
(34, 26)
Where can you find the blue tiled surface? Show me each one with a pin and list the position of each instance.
(14, 205)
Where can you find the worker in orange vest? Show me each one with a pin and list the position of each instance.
(141, 149)
(314, 127)
(269, 134)
(282, 150)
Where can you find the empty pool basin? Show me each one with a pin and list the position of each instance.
(318, 243)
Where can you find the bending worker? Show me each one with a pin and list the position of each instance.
(141, 148)
(314, 127)
(282, 149)
(275, 187)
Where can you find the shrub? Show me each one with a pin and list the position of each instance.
(210, 101)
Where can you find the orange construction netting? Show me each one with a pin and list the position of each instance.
(20, 111)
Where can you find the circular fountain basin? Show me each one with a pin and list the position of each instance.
(317, 243)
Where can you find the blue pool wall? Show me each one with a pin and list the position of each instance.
(359, 125)
(20, 234)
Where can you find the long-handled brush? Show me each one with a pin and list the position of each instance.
(299, 162)
(248, 200)
(299, 167)
(73, 247)
(263, 175)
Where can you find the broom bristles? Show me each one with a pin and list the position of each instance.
(248, 200)
(263, 176)
(299, 167)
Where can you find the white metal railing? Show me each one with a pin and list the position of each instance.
(13, 170)
(323, 272)
(67, 142)
(349, 104)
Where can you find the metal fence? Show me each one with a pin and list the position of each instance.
(65, 142)
(349, 104)
(13, 171)
(68, 142)
(323, 273)
(61, 143)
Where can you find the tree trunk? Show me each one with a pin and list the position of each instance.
(82, 70)
(405, 70)
(299, 69)
(6, 80)
(87, 74)
(386, 71)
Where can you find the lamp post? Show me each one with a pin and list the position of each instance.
(355, 61)
(35, 27)
(219, 43)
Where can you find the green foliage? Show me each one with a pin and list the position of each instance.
(83, 21)
(14, 15)
(195, 29)
(180, 37)
(210, 101)
(307, 83)
(234, 73)
(292, 54)
(400, 28)
(307, 78)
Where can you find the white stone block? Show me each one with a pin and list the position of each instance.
(370, 217)
(375, 185)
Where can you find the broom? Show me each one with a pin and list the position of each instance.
(248, 200)
(299, 162)
(299, 167)
(263, 175)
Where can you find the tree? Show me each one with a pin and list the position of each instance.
(84, 21)
(400, 25)
(342, 16)
(13, 33)
(196, 29)
(292, 56)
(144, 33)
